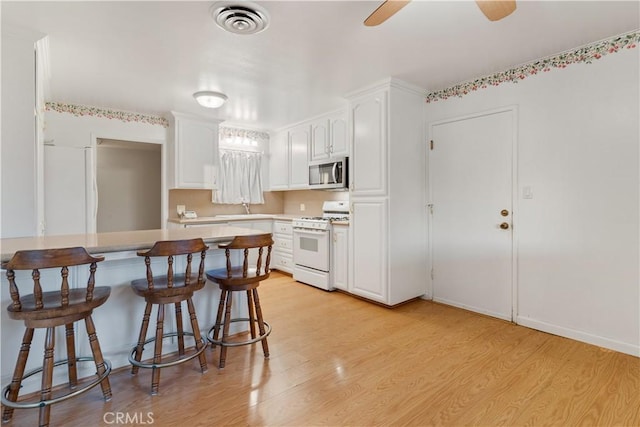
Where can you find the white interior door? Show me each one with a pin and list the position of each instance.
(471, 181)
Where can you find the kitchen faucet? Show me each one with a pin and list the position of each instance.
(246, 207)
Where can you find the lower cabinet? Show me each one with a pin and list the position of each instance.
(340, 257)
(368, 249)
(282, 254)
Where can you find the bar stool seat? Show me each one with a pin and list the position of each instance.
(169, 289)
(48, 310)
(241, 278)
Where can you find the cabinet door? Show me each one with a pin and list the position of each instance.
(299, 138)
(338, 137)
(196, 154)
(368, 249)
(368, 166)
(320, 139)
(340, 254)
(279, 162)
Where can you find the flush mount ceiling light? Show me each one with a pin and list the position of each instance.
(210, 99)
(240, 17)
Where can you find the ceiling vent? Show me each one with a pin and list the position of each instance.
(240, 17)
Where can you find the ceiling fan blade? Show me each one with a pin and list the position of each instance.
(496, 9)
(385, 11)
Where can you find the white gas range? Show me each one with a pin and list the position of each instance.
(312, 245)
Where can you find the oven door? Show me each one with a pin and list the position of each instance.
(311, 248)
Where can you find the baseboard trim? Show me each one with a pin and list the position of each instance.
(633, 350)
(474, 309)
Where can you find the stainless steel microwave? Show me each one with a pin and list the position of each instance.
(329, 173)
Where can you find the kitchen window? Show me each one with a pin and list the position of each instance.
(240, 170)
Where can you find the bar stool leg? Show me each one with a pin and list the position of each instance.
(157, 356)
(252, 325)
(216, 327)
(196, 335)
(97, 357)
(265, 346)
(142, 337)
(47, 376)
(180, 328)
(225, 330)
(71, 356)
(16, 381)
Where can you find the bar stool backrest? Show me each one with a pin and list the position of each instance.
(171, 248)
(245, 243)
(35, 260)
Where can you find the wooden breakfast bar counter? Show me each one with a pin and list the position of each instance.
(117, 321)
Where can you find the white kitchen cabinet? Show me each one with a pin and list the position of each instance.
(282, 253)
(289, 161)
(368, 163)
(340, 257)
(387, 241)
(299, 138)
(279, 161)
(329, 136)
(368, 251)
(192, 152)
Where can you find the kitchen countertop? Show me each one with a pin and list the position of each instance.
(121, 241)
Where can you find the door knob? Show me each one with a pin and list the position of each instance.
(504, 225)
(504, 212)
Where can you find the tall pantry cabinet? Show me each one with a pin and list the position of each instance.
(388, 249)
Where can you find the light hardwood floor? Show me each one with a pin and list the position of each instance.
(339, 361)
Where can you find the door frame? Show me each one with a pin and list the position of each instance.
(513, 109)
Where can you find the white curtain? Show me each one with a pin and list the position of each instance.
(240, 179)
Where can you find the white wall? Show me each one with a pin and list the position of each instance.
(18, 157)
(578, 238)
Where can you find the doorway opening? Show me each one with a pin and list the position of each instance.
(129, 185)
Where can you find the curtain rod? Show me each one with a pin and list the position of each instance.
(242, 150)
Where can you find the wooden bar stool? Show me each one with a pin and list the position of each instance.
(241, 278)
(169, 289)
(47, 310)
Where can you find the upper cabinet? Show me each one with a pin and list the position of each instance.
(192, 152)
(329, 136)
(299, 138)
(293, 147)
(279, 161)
(289, 162)
(368, 162)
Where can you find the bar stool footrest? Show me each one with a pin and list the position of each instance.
(75, 392)
(238, 343)
(177, 361)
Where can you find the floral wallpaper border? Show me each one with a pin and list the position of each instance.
(586, 54)
(125, 116)
(230, 132)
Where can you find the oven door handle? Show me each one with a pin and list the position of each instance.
(307, 231)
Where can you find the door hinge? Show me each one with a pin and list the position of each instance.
(431, 144)
(430, 207)
(432, 274)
